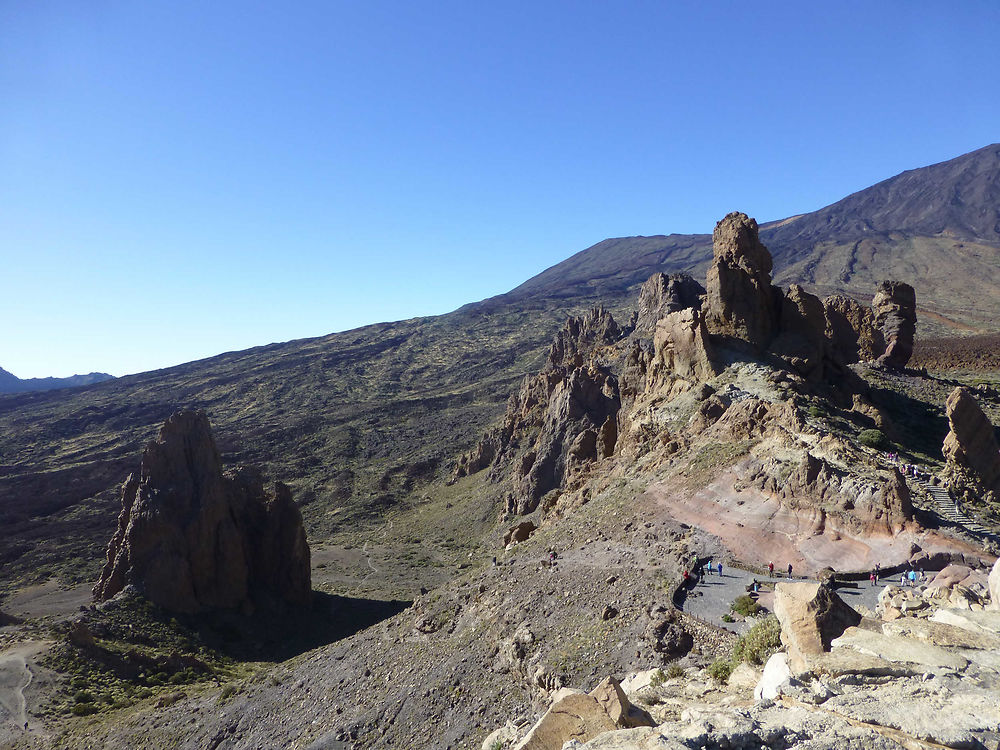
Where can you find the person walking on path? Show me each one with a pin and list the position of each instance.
(878, 570)
(710, 566)
(789, 570)
(720, 569)
(871, 578)
(770, 569)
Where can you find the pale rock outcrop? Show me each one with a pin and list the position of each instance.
(681, 345)
(576, 716)
(192, 539)
(740, 302)
(776, 679)
(970, 447)
(811, 616)
(616, 704)
(895, 311)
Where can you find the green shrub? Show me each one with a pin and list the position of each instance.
(83, 696)
(873, 438)
(757, 644)
(815, 411)
(657, 679)
(720, 670)
(727, 618)
(674, 671)
(83, 709)
(745, 605)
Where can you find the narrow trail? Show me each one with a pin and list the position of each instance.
(948, 509)
(15, 677)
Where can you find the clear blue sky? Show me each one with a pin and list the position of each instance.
(179, 179)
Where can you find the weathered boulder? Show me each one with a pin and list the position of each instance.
(811, 616)
(576, 716)
(851, 330)
(971, 444)
(623, 713)
(776, 679)
(681, 345)
(895, 311)
(661, 295)
(192, 539)
(740, 302)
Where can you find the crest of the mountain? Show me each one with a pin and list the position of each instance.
(192, 539)
(740, 302)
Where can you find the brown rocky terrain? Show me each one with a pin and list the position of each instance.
(748, 427)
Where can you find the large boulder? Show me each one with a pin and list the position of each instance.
(681, 345)
(193, 539)
(740, 302)
(971, 444)
(811, 616)
(895, 310)
(576, 716)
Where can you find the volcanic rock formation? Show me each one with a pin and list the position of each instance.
(970, 447)
(895, 312)
(192, 539)
(662, 294)
(740, 302)
(560, 421)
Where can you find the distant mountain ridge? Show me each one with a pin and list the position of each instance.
(938, 226)
(10, 383)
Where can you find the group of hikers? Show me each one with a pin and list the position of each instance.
(715, 568)
(909, 577)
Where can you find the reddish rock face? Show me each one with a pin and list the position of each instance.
(972, 444)
(740, 302)
(193, 539)
(895, 311)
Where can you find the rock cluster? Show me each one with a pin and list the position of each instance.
(970, 447)
(845, 682)
(193, 539)
(588, 402)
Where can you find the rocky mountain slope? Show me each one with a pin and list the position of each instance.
(938, 227)
(10, 383)
(734, 419)
(733, 426)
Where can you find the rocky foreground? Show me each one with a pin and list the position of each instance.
(927, 679)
